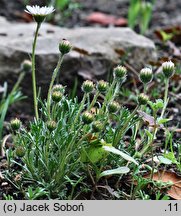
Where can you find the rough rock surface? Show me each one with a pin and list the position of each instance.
(95, 51)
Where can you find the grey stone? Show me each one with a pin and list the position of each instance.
(95, 51)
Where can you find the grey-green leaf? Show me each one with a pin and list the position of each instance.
(120, 170)
(164, 160)
(118, 152)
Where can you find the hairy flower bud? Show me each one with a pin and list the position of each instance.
(142, 99)
(65, 46)
(15, 124)
(87, 86)
(56, 96)
(59, 88)
(146, 75)
(51, 125)
(102, 86)
(97, 126)
(26, 66)
(120, 72)
(113, 107)
(87, 117)
(20, 151)
(168, 69)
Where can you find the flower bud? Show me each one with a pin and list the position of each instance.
(120, 72)
(56, 96)
(102, 86)
(168, 68)
(146, 75)
(15, 124)
(142, 99)
(97, 126)
(87, 86)
(87, 117)
(113, 107)
(26, 66)
(65, 46)
(59, 88)
(51, 125)
(20, 151)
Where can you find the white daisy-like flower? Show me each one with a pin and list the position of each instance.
(39, 13)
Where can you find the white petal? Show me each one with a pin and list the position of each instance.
(27, 11)
(30, 9)
(37, 10)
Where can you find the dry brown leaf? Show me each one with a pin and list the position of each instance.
(176, 51)
(95, 110)
(175, 30)
(121, 22)
(106, 19)
(120, 52)
(91, 137)
(148, 119)
(18, 177)
(175, 191)
(101, 18)
(25, 16)
(81, 51)
(174, 129)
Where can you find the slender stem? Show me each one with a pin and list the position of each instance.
(151, 144)
(55, 72)
(108, 96)
(142, 109)
(132, 192)
(145, 88)
(94, 100)
(117, 138)
(165, 97)
(7, 103)
(166, 144)
(162, 113)
(79, 111)
(121, 175)
(33, 72)
(88, 100)
(66, 153)
(116, 90)
(138, 125)
(83, 138)
(152, 153)
(20, 78)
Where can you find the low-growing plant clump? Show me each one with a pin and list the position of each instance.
(94, 147)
